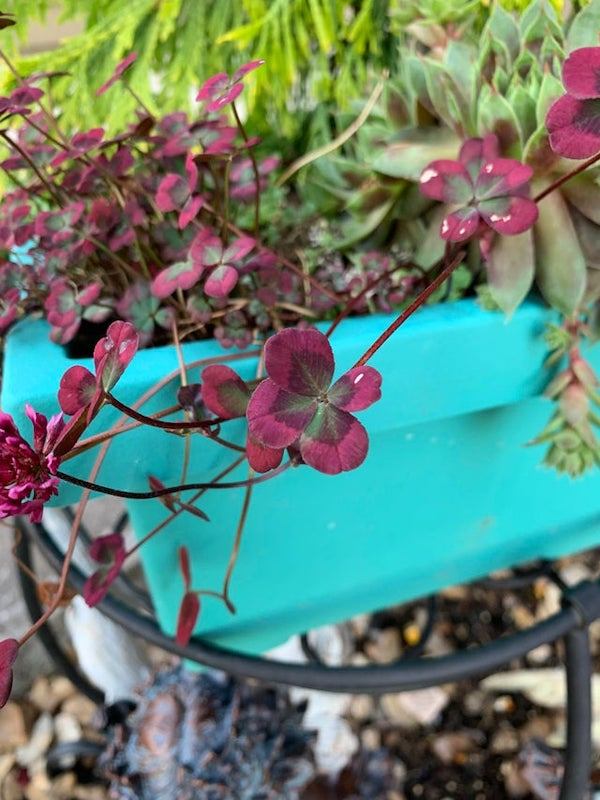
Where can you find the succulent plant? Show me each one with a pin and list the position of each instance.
(207, 737)
(501, 81)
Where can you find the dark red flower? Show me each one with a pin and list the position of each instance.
(28, 473)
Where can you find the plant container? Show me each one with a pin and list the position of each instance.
(449, 491)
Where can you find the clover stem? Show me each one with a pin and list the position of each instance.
(138, 99)
(564, 178)
(237, 541)
(152, 495)
(24, 155)
(410, 310)
(159, 423)
(254, 169)
(64, 574)
(179, 510)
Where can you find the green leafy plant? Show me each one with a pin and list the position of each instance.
(317, 50)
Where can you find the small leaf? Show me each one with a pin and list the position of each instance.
(114, 352)
(334, 441)
(189, 611)
(181, 275)
(221, 281)
(224, 392)
(110, 552)
(496, 115)
(300, 361)
(262, 458)
(276, 418)
(357, 389)
(77, 389)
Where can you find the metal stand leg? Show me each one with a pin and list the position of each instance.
(578, 754)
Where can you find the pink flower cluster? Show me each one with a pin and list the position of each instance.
(28, 474)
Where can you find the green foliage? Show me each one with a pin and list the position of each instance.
(317, 51)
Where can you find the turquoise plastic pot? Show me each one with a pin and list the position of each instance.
(448, 492)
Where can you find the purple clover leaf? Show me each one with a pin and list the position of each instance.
(9, 308)
(243, 179)
(221, 90)
(221, 262)
(181, 275)
(227, 396)
(110, 552)
(66, 307)
(176, 193)
(481, 190)
(144, 311)
(224, 392)
(296, 403)
(573, 121)
(80, 145)
(119, 71)
(76, 390)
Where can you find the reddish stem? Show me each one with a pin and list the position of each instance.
(559, 181)
(254, 169)
(159, 423)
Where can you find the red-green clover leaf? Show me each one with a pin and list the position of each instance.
(224, 392)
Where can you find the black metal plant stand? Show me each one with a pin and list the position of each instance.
(580, 607)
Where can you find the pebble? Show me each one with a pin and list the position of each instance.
(82, 708)
(453, 747)
(48, 694)
(505, 740)
(13, 731)
(384, 646)
(361, 707)
(370, 738)
(422, 706)
(67, 729)
(504, 704)
(39, 742)
(541, 654)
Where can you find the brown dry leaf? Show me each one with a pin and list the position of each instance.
(46, 592)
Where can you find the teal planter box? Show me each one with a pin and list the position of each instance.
(448, 492)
